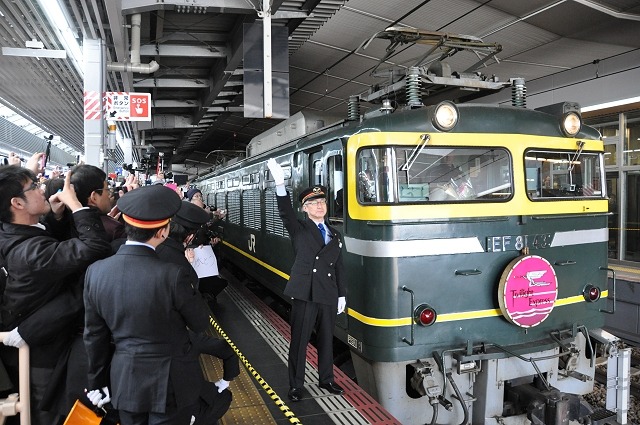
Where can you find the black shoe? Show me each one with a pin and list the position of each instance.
(332, 387)
(295, 394)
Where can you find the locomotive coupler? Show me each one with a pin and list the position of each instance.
(547, 407)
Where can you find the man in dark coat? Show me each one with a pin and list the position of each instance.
(214, 400)
(144, 305)
(315, 284)
(42, 295)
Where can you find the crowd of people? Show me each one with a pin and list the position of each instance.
(95, 279)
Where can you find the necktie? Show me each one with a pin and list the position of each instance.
(323, 232)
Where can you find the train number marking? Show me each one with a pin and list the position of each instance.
(518, 242)
(252, 243)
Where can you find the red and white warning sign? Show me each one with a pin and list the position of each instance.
(126, 106)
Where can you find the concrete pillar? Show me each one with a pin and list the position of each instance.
(94, 87)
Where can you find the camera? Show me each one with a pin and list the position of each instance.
(207, 232)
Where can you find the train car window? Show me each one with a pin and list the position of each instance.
(317, 172)
(563, 174)
(403, 174)
(269, 177)
(335, 184)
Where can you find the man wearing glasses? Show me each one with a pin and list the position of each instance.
(316, 285)
(40, 272)
(93, 191)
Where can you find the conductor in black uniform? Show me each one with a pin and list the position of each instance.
(316, 285)
(144, 305)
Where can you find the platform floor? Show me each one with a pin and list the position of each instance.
(261, 340)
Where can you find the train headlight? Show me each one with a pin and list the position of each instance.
(425, 315)
(445, 116)
(571, 124)
(591, 293)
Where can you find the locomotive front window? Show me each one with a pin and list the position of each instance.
(563, 174)
(426, 174)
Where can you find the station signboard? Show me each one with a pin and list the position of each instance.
(128, 106)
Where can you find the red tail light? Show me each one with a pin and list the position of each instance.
(591, 293)
(425, 315)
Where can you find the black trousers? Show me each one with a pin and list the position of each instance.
(218, 348)
(305, 317)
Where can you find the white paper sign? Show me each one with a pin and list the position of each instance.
(204, 261)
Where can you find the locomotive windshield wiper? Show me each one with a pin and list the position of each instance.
(576, 155)
(414, 154)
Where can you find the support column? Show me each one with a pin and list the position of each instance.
(266, 43)
(94, 83)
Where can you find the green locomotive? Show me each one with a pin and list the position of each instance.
(475, 249)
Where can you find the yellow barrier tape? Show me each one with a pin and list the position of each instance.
(274, 396)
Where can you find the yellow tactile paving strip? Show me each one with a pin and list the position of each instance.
(247, 406)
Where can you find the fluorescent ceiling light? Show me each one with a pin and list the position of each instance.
(34, 53)
(60, 24)
(610, 104)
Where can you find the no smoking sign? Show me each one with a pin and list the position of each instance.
(124, 106)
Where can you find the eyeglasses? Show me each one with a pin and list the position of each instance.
(109, 191)
(320, 201)
(32, 186)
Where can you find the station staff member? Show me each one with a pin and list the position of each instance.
(145, 305)
(315, 284)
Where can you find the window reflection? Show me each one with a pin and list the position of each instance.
(553, 174)
(425, 174)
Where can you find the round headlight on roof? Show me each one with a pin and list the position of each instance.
(571, 124)
(445, 116)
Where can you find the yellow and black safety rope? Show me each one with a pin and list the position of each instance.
(274, 396)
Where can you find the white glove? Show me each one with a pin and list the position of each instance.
(13, 339)
(99, 397)
(276, 171)
(342, 303)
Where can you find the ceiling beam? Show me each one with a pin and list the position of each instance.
(194, 6)
(181, 83)
(180, 51)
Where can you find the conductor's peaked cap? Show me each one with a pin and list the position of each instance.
(312, 192)
(191, 216)
(149, 207)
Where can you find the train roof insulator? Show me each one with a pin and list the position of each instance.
(571, 124)
(424, 315)
(445, 116)
(591, 293)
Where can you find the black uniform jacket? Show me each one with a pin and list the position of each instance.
(145, 304)
(41, 271)
(317, 274)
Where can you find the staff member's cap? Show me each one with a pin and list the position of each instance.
(191, 216)
(312, 192)
(149, 207)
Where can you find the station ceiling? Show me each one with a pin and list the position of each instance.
(198, 93)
